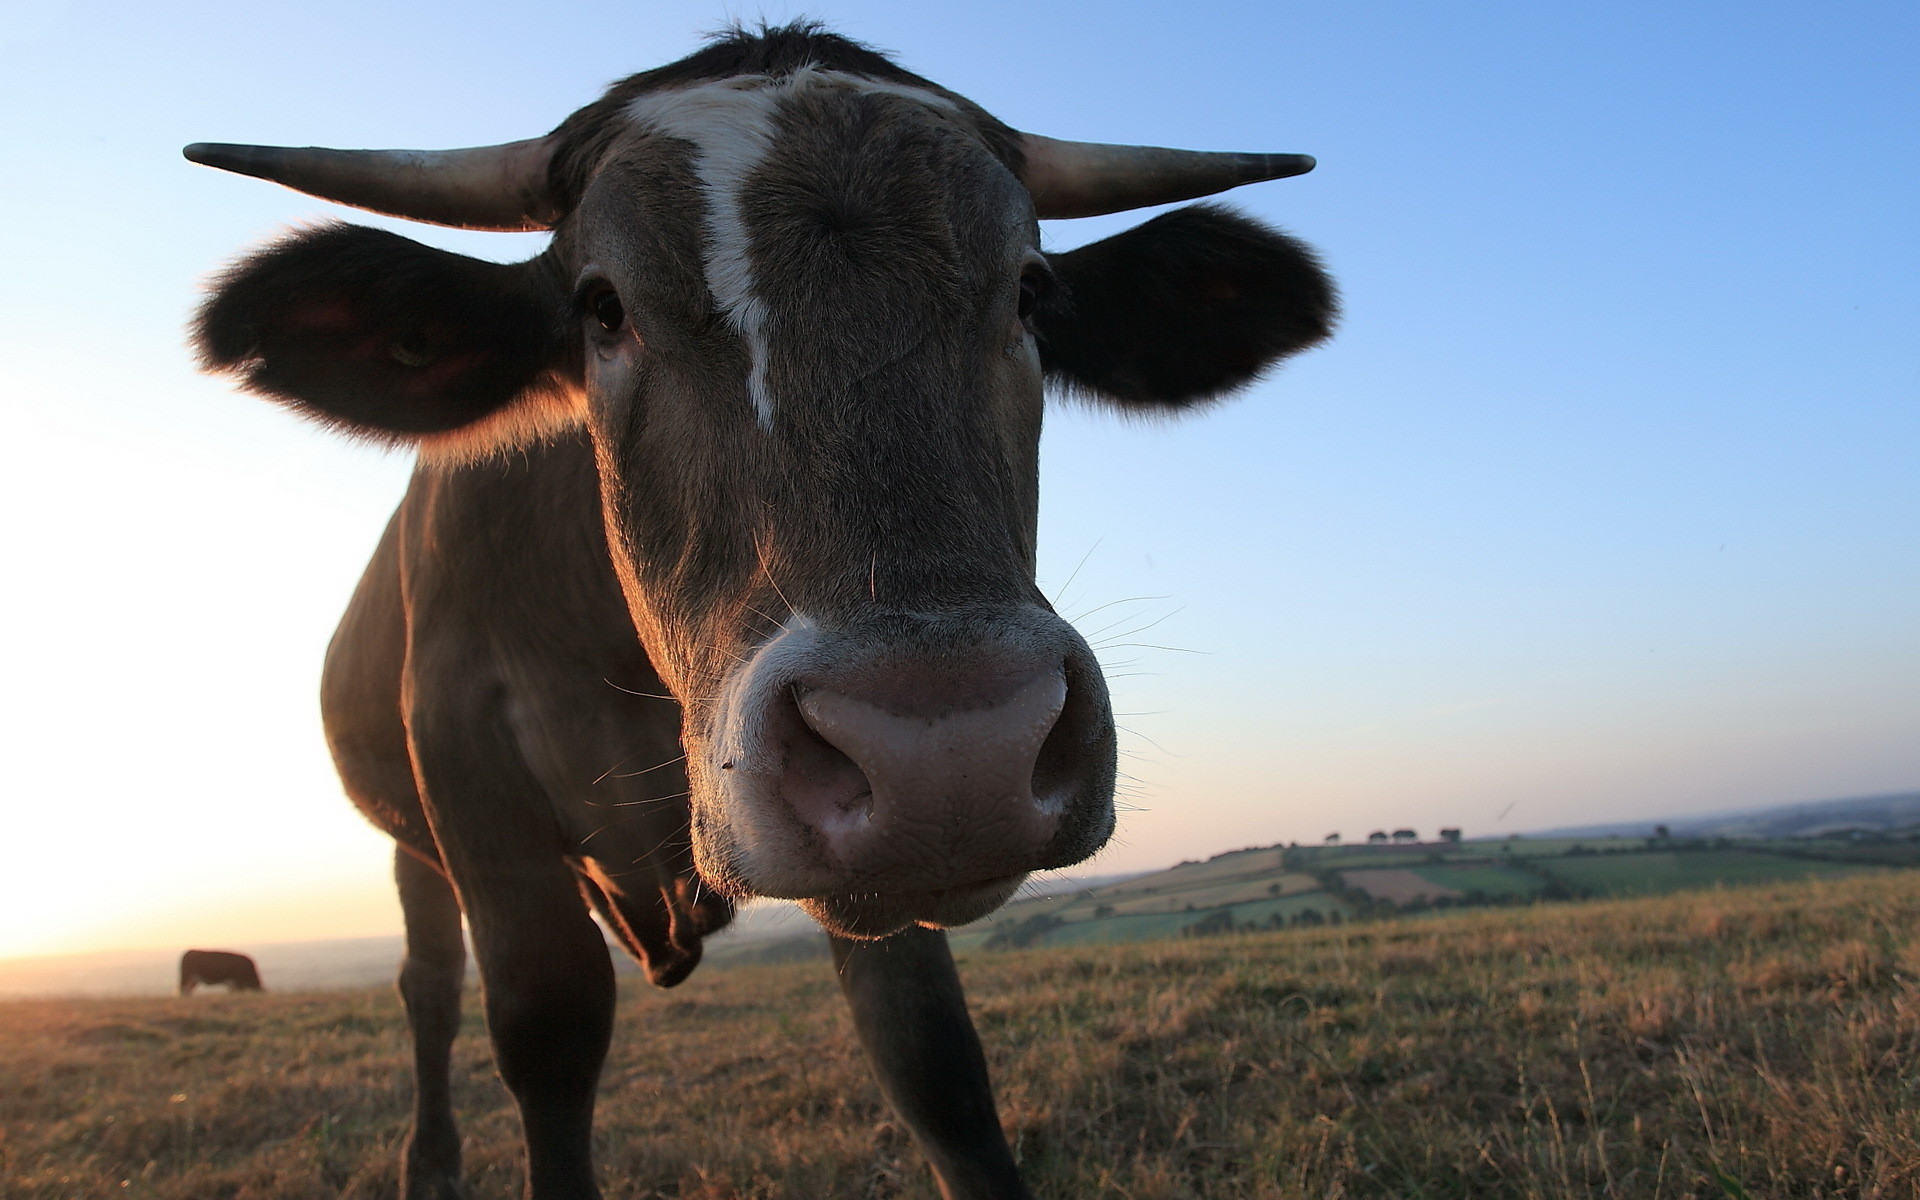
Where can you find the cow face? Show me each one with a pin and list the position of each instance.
(803, 315)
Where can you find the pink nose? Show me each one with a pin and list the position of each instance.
(901, 800)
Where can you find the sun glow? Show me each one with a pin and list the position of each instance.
(168, 784)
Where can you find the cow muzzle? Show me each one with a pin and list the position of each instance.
(911, 774)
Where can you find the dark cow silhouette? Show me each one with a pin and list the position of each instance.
(212, 967)
(716, 577)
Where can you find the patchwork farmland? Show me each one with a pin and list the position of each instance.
(1285, 887)
(1275, 887)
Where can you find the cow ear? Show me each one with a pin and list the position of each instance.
(384, 338)
(1180, 310)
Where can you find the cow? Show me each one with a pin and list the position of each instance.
(716, 574)
(211, 967)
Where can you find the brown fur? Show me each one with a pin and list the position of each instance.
(536, 685)
(216, 968)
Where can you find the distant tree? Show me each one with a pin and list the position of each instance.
(1217, 922)
(1450, 835)
(1662, 832)
(1023, 933)
(1377, 838)
(1405, 835)
(1332, 839)
(1102, 912)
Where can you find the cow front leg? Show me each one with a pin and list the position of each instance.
(430, 979)
(546, 979)
(549, 990)
(911, 1017)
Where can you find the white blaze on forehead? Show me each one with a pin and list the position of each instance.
(731, 125)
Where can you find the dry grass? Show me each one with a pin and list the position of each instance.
(1761, 1043)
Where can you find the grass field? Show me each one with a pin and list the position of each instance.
(1149, 926)
(1495, 881)
(1761, 1042)
(1652, 873)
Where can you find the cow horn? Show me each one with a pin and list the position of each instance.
(485, 187)
(1087, 179)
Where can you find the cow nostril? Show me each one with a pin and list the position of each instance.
(818, 778)
(1056, 767)
(947, 749)
(859, 803)
(1059, 770)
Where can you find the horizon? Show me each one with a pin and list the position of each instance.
(1071, 876)
(1600, 499)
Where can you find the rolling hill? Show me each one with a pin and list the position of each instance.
(1260, 887)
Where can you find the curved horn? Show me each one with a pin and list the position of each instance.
(1087, 179)
(485, 187)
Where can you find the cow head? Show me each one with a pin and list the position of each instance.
(796, 298)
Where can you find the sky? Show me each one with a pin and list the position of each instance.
(1601, 505)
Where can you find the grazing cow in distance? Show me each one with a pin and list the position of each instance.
(210, 967)
(716, 575)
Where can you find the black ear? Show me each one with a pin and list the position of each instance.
(386, 338)
(1193, 303)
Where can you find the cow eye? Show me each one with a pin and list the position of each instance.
(1033, 287)
(607, 310)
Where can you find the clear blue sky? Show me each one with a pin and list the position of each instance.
(1602, 504)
